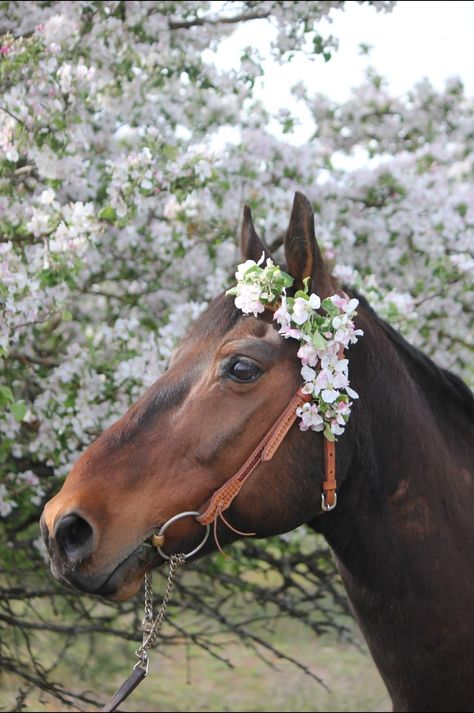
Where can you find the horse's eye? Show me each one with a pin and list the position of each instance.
(244, 371)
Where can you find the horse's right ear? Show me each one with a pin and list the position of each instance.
(251, 245)
(303, 256)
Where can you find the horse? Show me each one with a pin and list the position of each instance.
(402, 533)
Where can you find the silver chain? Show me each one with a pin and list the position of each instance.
(151, 626)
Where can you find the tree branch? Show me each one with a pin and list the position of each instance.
(200, 21)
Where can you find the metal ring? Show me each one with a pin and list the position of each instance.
(325, 506)
(191, 513)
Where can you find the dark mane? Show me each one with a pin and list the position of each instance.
(423, 368)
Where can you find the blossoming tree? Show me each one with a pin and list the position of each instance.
(119, 217)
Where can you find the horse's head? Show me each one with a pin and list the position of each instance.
(191, 431)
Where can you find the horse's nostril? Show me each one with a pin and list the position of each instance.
(74, 537)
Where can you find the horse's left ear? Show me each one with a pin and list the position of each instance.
(303, 256)
(251, 244)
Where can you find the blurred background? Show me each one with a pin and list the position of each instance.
(131, 135)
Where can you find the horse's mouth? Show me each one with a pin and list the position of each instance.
(129, 573)
(123, 582)
(126, 578)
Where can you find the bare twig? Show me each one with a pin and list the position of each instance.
(225, 20)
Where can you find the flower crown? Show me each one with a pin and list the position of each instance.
(325, 329)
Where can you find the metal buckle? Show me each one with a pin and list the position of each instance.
(162, 530)
(325, 506)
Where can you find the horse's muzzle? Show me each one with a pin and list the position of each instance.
(71, 550)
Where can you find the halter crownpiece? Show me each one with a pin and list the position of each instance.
(324, 329)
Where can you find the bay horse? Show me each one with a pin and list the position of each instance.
(403, 530)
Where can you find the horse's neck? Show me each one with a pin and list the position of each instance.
(403, 538)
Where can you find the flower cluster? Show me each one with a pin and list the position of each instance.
(325, 330)
(395, 306)
(257, 287)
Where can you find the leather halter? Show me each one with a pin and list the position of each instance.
(221, 500)
(265, 450)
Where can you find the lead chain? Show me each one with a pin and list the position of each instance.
(151, 627)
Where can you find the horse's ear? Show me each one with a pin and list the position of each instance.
(303, 256)
(251, 245)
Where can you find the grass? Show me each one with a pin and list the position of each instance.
(185, 678)
(191, 680)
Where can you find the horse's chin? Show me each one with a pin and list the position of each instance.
(119, 585)
(127, 590)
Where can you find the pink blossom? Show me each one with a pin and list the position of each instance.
(310, 418)
(248, 300)
(302, 308)
(308, 354)
(336, 427)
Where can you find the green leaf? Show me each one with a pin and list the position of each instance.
(108, 213)
(254, 268)
(67, 315)
(70, 400)
(329, 306)
(302, 294)
(6, 396)
(328, 434)
(319, 341)
(19, 410)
